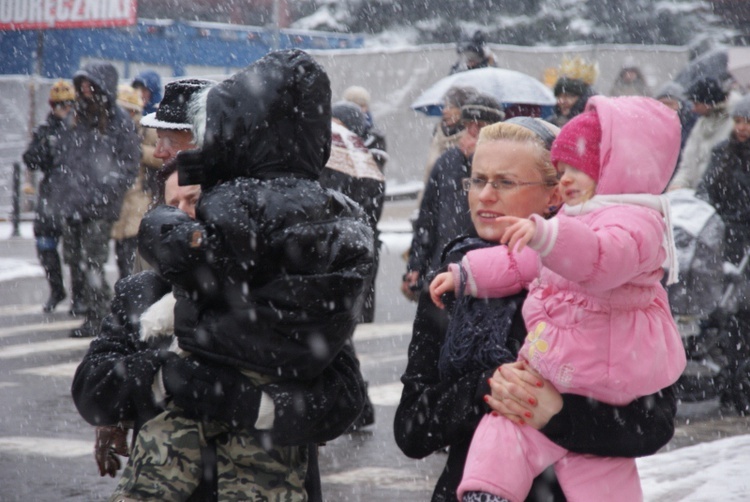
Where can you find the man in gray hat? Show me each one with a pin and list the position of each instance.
(444, 211)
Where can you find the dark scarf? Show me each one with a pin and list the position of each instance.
(477, 334)
(451, 130)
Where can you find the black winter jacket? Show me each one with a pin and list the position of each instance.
(726, 186)
(113, 383)
(435, 414)
(39, 157)
(273, 268)
(98, 163)
(443, 214)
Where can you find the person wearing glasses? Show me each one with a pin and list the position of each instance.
(457, 375)
(597, 313)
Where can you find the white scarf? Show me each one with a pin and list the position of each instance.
(656, 202)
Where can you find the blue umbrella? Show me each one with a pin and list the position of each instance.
(507, 86)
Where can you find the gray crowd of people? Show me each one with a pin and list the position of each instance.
(245, 226)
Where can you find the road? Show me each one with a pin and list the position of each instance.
(46, 448)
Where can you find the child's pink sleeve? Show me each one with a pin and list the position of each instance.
(496, 272)
(618, 246)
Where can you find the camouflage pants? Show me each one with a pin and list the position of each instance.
(165, 464)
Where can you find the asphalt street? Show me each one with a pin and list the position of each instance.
(46, 448)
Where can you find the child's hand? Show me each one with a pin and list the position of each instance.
(518, 233)
(440, 285)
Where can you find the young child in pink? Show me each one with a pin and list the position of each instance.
(598, 317)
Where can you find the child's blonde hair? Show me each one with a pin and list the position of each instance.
(520, 134)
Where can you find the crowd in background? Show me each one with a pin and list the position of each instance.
(181, 222)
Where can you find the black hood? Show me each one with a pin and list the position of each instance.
(271, 119)
(104, 77)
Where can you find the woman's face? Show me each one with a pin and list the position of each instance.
(508, 160)
(566, 101)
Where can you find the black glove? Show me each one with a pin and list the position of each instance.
(174, 244)
(209, 391)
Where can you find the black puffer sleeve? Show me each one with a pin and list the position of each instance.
(38, 155)
(321, 409)
(113, 381)
(637, 429)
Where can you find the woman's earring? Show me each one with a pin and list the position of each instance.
(552, 209)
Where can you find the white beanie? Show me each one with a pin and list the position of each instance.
(742, 108)
(358, 95)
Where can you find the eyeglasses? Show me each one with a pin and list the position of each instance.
(500, 184)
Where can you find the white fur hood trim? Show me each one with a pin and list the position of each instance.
(158, 320)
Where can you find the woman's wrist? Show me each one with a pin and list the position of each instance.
(558, 425)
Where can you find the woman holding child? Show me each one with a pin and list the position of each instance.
(456, 376)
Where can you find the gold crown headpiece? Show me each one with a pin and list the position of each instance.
(580, 69)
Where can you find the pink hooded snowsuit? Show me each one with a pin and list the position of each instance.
(598, 317)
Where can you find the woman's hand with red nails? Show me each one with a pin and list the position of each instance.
(518, 391)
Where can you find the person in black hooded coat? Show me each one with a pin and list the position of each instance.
(269, 277)
(273, 269)
(113, 383)
(99, 157)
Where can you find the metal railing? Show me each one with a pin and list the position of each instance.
(15, 216)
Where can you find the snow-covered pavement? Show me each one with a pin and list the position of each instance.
(707, 471)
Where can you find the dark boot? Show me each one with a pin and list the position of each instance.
(79, 306)
(88, 329)
(50, 261)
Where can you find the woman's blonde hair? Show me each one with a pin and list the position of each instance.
(520, 134)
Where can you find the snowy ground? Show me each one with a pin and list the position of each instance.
(707, 471)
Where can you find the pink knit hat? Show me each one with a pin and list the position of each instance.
(578, 144)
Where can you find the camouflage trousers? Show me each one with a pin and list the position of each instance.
(166, 464)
